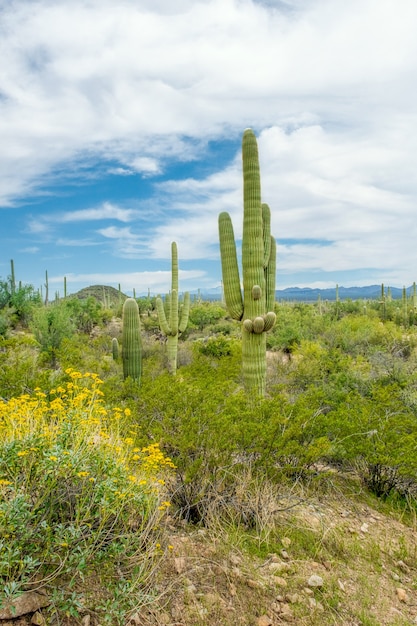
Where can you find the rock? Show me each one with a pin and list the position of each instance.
(402, 594)
(38, 619)
(293, 598)
(403, 567)
(28, 602)
(314, 604)
(86, 620)
(364, 528)
(179, 564)
(264, 620)
(281, 582)
(235, 559)
(279, 567)
(286, 612)
(285, 555)
(253, 584)
(315, 581)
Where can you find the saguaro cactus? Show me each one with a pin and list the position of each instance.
(131, 340)
(173, 319)
(255, 307)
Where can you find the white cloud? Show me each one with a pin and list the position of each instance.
(329, 86)
(157, 282)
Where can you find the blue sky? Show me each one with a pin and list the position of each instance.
(121, 124)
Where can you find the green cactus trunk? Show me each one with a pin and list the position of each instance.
(172, 319)
(115, 348)
(131, 340)
(255, 308)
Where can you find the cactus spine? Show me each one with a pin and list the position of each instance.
(256, 307)
(172, 320)
(131, 340)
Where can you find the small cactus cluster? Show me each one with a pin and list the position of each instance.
(255, 307)
(173, 318)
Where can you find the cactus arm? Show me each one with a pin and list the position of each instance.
(230, 268)
(165, 327)
(270, 276)
(185, 312)
(266, 218)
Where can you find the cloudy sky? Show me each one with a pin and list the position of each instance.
(121, 126)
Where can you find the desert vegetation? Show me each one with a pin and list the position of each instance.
(106, 479)
(175, 461)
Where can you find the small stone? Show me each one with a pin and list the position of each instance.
(38, 619)
(179, 564)
(281, 582)
(253, 584)
(403, 567)
(285, 555)
(264, 620)
(275, 607)
(279, 567)
(315, 581)
(293, 598)
(402, 594)
(235, 559)
(28, 602)
(395, 576)
(365, 528)
(286, 611)
(86, 620)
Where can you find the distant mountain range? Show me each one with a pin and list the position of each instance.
(291, 294)
(307, 294)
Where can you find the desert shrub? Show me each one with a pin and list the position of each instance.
(204, 314)
(50, 326)
(80, 504)
(86, 313)
(216, 346)
(20, 370)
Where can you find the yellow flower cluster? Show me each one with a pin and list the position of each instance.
(74, 415)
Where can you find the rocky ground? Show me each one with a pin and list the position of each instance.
(333, 558)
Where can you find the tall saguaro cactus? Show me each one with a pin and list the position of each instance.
(255, 307)
(131, 340)
(173, 319)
